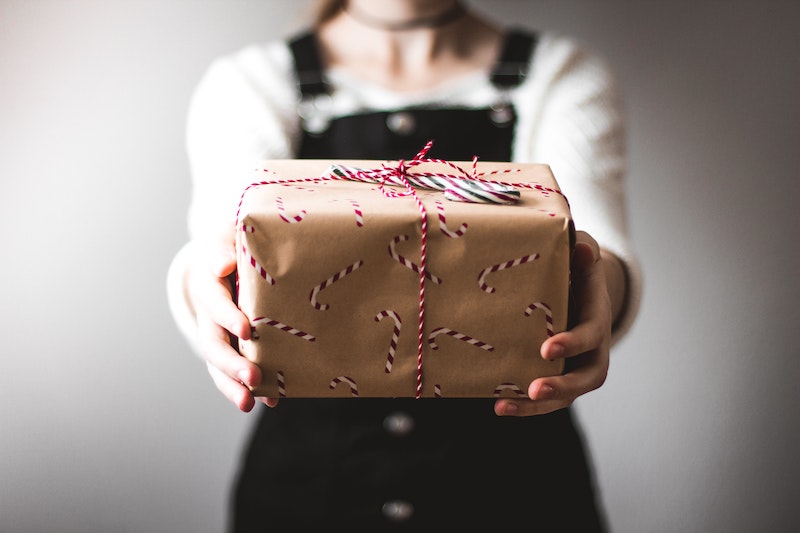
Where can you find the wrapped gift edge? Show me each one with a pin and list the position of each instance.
(343, 385)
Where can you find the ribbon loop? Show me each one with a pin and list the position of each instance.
(460, 186)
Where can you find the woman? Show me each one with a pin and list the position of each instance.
(375, 79)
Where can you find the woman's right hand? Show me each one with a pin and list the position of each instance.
(220, 322)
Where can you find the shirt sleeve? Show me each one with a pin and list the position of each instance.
(571, 117)
(241, 112)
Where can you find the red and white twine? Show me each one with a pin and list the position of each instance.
(405, 262)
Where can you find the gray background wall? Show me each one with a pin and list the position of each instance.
(108, 423)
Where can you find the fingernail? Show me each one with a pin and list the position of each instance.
(556, 351)
(510, 408)
(545, 392)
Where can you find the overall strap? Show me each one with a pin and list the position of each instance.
(308, 64)
(508, 72)
(512, 65)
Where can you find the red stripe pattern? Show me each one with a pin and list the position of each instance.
(260, 269)
(460, 336)
(331, 280)
(509, 386)
(291, 219)
(283, 327)
(395, 336)
(502, 266)
(548, 315)
(349, 381)
(405, 262)
(281, 384)
(443, 223)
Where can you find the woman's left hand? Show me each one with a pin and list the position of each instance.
(585, 346)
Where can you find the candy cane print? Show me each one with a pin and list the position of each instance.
(285, 217)
(283, 327)
(333, 279)
(281, 384)
(260, 269)
(395, 336)
(248, 229)
(443, 223)
(460, 336)
(502, 266)
(548, 314)
(405, 262)
(508, 386)
(345, 379)
(356, 209)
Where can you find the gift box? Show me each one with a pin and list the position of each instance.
(359, 281)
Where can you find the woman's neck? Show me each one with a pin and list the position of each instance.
(391, 15)
(410, 59)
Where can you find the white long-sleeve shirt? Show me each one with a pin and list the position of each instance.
(569, 116)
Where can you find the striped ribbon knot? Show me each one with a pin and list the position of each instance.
(461, 186)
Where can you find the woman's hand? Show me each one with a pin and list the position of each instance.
(585, 346)
(220, 321)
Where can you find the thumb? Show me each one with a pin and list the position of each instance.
(219, 253)
(222, 260)
(585, 254)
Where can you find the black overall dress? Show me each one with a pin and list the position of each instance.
(412, 464)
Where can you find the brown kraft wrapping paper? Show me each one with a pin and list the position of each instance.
(328, 273)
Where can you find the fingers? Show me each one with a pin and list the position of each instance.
(219, 319)
(511, 407)
(220, 255)
(219, 353)
(593, 306)
(587, 372)
(558, 392)
(269, 402)
(234, 391)
(215, 301)
(585, 347)
(583, 240)
(233, 374)
(212, 292)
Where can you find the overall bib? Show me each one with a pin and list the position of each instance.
(372, 464)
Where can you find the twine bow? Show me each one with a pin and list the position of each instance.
(460, 187)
